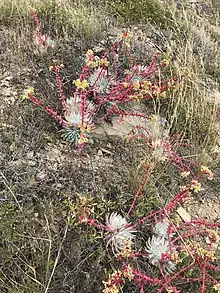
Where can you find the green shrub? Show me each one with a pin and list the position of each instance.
(144, 11)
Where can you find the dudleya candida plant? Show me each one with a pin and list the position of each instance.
(106, 87)
(174, 249)
(159, 246)
(77, 127)
(120, 233)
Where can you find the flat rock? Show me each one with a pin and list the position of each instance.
(184, 214)
(120, 128)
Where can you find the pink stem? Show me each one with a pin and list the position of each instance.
(143, 181)
(50, 111)
(203, 277)
(38, 24)
(59, 85)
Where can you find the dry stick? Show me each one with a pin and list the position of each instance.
(29, 266)
(28, 275)
(49, 250)
(12, 193)
(10, 280)
(58, 256)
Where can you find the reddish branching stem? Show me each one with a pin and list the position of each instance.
(137, 194)
(50, 111)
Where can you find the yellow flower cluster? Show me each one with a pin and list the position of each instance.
(163, 94)
(143, 89)
(94, 61)
(32, 9)
(127, 251)
(156, 90)
(185, 174)
(175, 257)
(83, 134)
(53, 67)
(146, 84)
(200, 251)
(165, 62)
(183, 188)
(81, 209)
(217, 287)
(111, 289)
(89, 52)
(26, 94)
(125, 84)
(195, 186)
(136, 85)
(207, 171)
(136, 98)
(214, 236)
(102, 62)
(128, 274)
(154, 118)
(83, 85)
(208, 254)
(83, 139)
(126, 37)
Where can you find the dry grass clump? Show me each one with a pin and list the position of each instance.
(62, 17)
(194, 51)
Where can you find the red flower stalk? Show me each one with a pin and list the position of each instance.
(42, 39)
(143, 181)
(38, 26)
(202, 290)
(50, 111)
(141, 278)
(57, 69)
